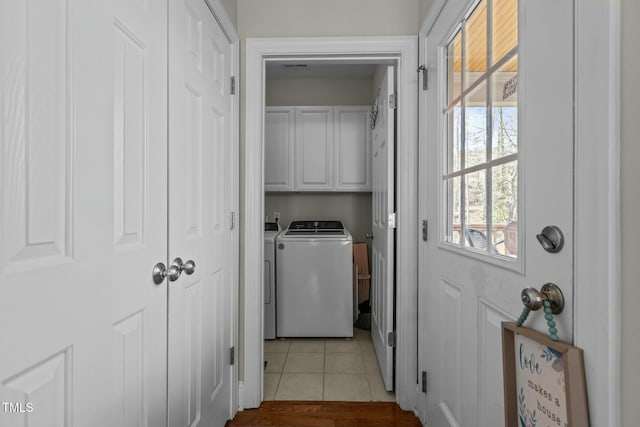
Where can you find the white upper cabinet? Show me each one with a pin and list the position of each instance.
(278, 148)
(317, 149)
(314, 148)
(352, 149)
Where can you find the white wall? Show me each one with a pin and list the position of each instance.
(630, 149)
(231, 6)
(353, 209)
(423, 8)
(310, 18)
(318, 91)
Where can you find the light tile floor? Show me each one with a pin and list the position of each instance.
(335, 369)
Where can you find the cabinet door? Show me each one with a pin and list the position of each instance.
(353, 152)
(278, 148)
(314, 149)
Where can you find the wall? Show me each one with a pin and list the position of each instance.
(231, 6)
(308, 18)
(353, 209)
(312, 18)
(423, 8)
(319, 91)
(630, 155)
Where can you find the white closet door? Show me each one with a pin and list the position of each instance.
(353, 149)
(83, 212)
(314, 148)
(279, 130)
(200, 159)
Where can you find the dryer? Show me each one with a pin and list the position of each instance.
(315, 280)
(271, 230)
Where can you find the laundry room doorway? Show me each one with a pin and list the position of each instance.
(315, 137)
(320, 173)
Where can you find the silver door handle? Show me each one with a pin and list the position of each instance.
(187, 267)
(369, 236)
(160, 272)
(533, 299)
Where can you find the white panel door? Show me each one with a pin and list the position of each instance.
(200, 153)
(279, 128)
(383, 204)
(83, 212)
(496, 169)
(314, 148)
(352, 149)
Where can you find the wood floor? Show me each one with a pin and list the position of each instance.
(321, 414)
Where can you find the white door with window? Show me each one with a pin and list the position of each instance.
(83, 213)
(382, 225)
(496, 168)
(200, 158)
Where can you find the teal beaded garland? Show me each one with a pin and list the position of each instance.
(523, 316)
(553, 332)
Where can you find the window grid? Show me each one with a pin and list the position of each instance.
(459, 101)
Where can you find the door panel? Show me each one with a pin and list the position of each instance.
(83, 154)
(314, 148)
(279, 129)
(383, 204)
(466, 290)
(200, 156)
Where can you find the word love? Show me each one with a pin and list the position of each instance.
(529, 362)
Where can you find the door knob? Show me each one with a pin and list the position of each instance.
(160, 272)
(189, 267)
(369, 236)
(533, 299)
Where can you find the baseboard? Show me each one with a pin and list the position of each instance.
(240, 396)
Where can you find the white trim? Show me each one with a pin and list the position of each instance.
(402, 49)
(220, 13)
(240, 395)
(235, 207)
(597, 286)
(430, 19)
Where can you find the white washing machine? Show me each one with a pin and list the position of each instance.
(271, 230)
(314, 271)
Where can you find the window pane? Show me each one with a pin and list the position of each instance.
(476, 44)
(452, 188)
(475, 126)
(504, 111)
(505, 28)
(476, 202)
(455, 138)
(454, 67)
(505, 208)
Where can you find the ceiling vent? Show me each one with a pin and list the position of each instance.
(295, 66)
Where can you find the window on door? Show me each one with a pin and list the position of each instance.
(480, 173)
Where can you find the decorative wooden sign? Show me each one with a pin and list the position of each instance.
(544, 380)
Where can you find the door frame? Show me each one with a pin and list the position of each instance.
(597, 250)
(402, 51)
(222, 18)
